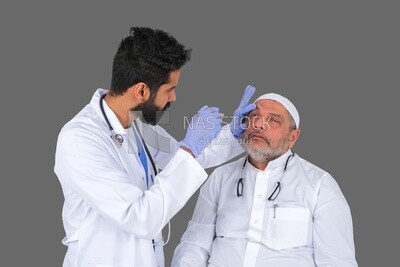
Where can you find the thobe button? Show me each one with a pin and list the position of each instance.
(255, 221)
(142, 178)
(260, 196)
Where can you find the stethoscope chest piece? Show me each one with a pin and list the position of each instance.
(117, 138)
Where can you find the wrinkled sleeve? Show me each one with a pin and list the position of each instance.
(333, 227)
(84, 165)
(221, 149)
(195, 246)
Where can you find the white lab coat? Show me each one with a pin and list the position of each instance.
(311, 226)
(110, 217)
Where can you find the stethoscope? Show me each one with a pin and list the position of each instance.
(277, 190)
(118, 140)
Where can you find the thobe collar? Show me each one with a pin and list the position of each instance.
(273, 164)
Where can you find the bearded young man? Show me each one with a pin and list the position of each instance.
(270, 208)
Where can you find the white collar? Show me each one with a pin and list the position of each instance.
(112, 118)
(276, 163)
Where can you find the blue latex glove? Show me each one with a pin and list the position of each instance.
(236, 125)
(203, 128)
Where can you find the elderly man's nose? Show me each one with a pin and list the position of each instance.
(258, 123)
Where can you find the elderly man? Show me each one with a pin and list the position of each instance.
(270, 208)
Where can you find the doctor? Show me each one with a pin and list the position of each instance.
(270, 208)
(123, 176)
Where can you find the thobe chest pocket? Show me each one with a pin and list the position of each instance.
(288, 227)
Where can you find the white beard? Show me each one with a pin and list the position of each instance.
(266, 154)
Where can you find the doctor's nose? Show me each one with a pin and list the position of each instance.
(172, 96)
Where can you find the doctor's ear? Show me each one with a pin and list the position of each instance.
(141, 91)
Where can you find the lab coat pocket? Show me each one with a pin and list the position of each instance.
(287, 227)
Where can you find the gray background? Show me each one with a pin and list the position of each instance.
(337, 61)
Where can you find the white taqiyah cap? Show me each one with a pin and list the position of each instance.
(286, 103)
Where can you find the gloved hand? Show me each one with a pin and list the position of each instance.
(236, 125)
(203, 128)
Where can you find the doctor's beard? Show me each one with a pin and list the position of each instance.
(151, 113)
(265, 152)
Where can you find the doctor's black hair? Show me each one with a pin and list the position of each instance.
(146, 55)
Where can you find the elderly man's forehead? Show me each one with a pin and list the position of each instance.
(263, 104)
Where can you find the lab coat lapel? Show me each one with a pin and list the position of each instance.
(127, 152)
